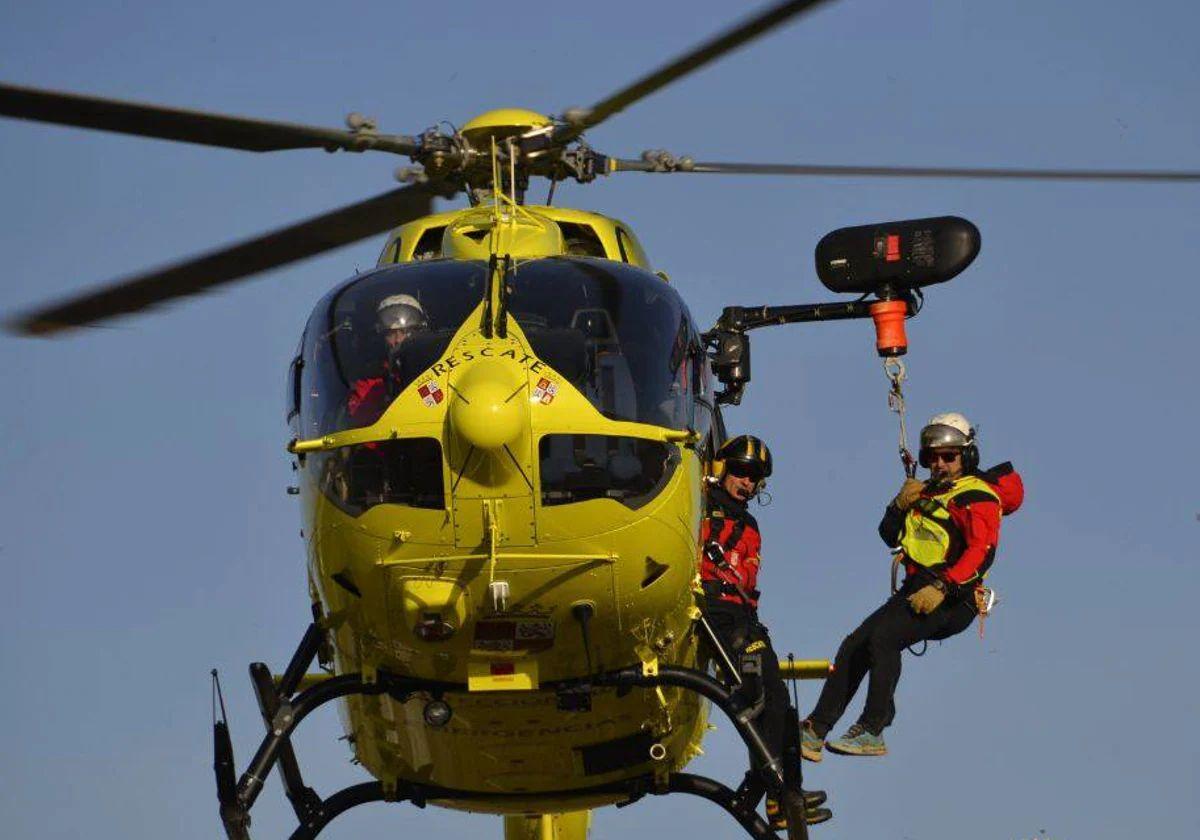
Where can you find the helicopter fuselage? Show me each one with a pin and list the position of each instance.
(524, 510)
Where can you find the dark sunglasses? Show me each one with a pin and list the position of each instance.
(741, 470)
(944, 457)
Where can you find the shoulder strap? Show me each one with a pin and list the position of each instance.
(735, 534)
(972, 489)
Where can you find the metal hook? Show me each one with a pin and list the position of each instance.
(896, 372)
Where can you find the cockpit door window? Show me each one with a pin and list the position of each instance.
(618, 333)
(369, 339)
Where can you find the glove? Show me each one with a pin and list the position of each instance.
(926, 599)
(908, 494)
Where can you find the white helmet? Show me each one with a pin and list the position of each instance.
(951, 431)
(401, 312)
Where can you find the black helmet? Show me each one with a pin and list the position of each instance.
(744, 452)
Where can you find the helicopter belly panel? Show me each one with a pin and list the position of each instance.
(525, 743)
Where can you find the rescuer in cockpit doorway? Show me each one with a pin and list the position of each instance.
(730, 557)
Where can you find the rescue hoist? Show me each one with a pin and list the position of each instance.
(889, 262)
(887, 265)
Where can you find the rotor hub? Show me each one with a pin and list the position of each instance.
(501, 124)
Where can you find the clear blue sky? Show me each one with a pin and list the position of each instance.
(145, 535)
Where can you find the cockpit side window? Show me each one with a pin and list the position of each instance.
(293, 387)
(618, 333)
(582, 240)
(369, 339)
(578, 468)
(405, 472)
(429, 246)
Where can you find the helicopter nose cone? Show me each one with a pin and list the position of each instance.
(489, 409)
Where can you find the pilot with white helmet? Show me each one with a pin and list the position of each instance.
(397, 317)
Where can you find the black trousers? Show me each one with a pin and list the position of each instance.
(742, 635)
(875, 648)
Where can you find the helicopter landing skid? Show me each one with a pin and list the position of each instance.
(283, 709)
(702, 786)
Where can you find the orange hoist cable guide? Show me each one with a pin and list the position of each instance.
(889, 315)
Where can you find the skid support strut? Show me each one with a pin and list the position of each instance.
(236, 815)
(715, 691)
(303, 798)
(283, 710)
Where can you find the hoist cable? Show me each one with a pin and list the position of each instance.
(896, 372)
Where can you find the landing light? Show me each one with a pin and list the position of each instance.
(437, 713)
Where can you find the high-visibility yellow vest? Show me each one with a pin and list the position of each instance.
(931, 537)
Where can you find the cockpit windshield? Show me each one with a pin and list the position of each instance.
(618, 333)
(368, 339)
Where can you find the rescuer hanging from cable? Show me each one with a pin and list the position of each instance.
(729, 563)
(946, 530)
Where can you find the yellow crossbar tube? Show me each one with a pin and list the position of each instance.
(805, 669)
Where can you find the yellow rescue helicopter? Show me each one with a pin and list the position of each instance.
(501, 434)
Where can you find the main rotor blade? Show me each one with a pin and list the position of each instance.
(581, 120)
(217, 268)
(165, 123)
(618, 165)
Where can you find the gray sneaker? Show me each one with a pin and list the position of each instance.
(810, 743)
(859, 740)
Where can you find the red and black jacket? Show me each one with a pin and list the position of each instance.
(977, 522)
(730, 545)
